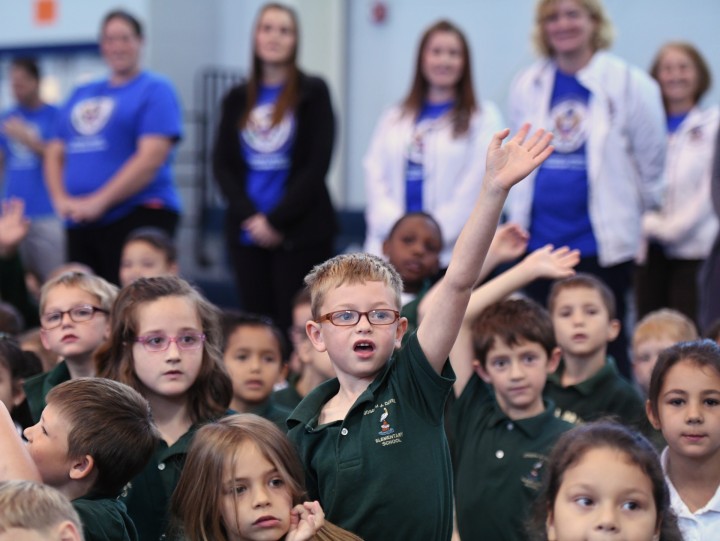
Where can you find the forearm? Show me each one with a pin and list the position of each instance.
(15, 461)
(53, 169)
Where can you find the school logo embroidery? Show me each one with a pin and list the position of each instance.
(532, 480)
(696, 134)
(387, 434)
(385, 428)
(261, 135)
(90, 116)
(569, 125)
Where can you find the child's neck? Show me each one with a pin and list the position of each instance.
(337, 408)
(241, 406)
(696, 480)
(171, 415)
(578, 369)
(80, 367)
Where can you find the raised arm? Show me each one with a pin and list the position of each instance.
(506, 165)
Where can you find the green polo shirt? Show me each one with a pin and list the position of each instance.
(148, 495)
(606, 393)
(37, 387)
(287, 397)
(384, 472)
(410, 310)
(497, 463)
(104, 519)
(273, 412)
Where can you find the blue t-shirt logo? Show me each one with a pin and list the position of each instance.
(263, 138)
(569, 117)
(90, 116)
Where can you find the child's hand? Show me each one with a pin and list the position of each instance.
(508, 164)
(553, 264)
(305, 520)
(509, 243)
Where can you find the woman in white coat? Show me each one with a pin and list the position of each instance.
(680, 234)
(609, 141)
(428, 153)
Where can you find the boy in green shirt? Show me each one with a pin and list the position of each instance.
(93, 436)
(372, 440)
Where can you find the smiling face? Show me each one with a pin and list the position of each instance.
(172, 372)
(414, 250)
(121, 47)
(443, 60)
(679, 78)
(74, 342)
(688, 411)
(604, 496)
(569, 29)
(254, 361)
(360, 351)
(518, 374)
(275, 37)
(255, 501)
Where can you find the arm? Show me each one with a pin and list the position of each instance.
(15, 461)
(53, 166)
(506, 165)
(715, 178)
(13, 226)
(19, 130)
(544, 262)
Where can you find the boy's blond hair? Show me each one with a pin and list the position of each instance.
(601, 39)
(350, 269)
(31, 506)
(89, 283)
(665, 323)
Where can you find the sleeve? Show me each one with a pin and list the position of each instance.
(383, 209)
(160, 114)
(715, 178)
(647, 136)
(454, 212)
(311, 156)
(228, 168)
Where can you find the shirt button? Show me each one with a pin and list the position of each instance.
(499, 453)
(344, 432)
(510, 426)
(161, 466)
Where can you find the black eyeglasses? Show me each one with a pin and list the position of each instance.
(348, 318)
(79, 314)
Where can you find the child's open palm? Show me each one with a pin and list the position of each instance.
(305, 520)
(508, 164)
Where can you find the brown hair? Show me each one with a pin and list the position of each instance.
(465, 104)
(586, 281)
(512, 321)
(89, 283)
(32, 506)
(602, 39)
(701, 353)
(704, 78)
(290, 93)
(195, 506)
(109, 421)
(210, 395)
(574, 444)
(664, 323)
(356, 268)
(232, 320)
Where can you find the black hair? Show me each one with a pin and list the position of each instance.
(27, 64)
(133, 21)
(233, 319)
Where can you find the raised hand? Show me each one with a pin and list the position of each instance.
(13, 225)
(508, 164)
(509, 243)
(551, 263)
(305, 520)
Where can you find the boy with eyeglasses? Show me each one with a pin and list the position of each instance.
(372, 440)
(74, 310)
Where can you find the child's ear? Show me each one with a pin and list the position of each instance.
(613, 329)
(481, 372)
(18, 392)
(67, 531)
(654, 421)
(554, 360)
(82, 467)
(314, 332)
(550, 527)
(400, 331)
(44, 340)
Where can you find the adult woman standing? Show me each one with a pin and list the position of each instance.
(680, 234)
(609, 143)
(108, 169)
(271, 157)
(428, 153)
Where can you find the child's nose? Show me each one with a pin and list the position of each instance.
(607, 519)
(260, 497)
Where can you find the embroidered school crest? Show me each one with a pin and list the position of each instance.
(569, 119)
(385, 428)
(261, 135)
(90, 116)
(532, 479)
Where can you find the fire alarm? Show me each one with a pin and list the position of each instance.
(378, 12)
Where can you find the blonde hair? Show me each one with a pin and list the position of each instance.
(601, 39)
(195, 506)
(89, 283)
(32, 506)
(350, 269)
(665, 323)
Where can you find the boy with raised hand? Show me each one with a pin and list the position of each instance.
(587, 385)
(372, 440)
(502, 437)
(94, 435)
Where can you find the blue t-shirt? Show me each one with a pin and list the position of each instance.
(24, 177)
(101, 125)
(267, 151)
(560, 201)
(674, 121)
(414, 170)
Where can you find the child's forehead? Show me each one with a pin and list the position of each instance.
(360, 293)
(417, 224)
(65, 291)
(519, 343)
(579, 294)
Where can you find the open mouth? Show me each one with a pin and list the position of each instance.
(364, 346)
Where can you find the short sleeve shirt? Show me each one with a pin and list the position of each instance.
(104, 519)
(384, 472)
